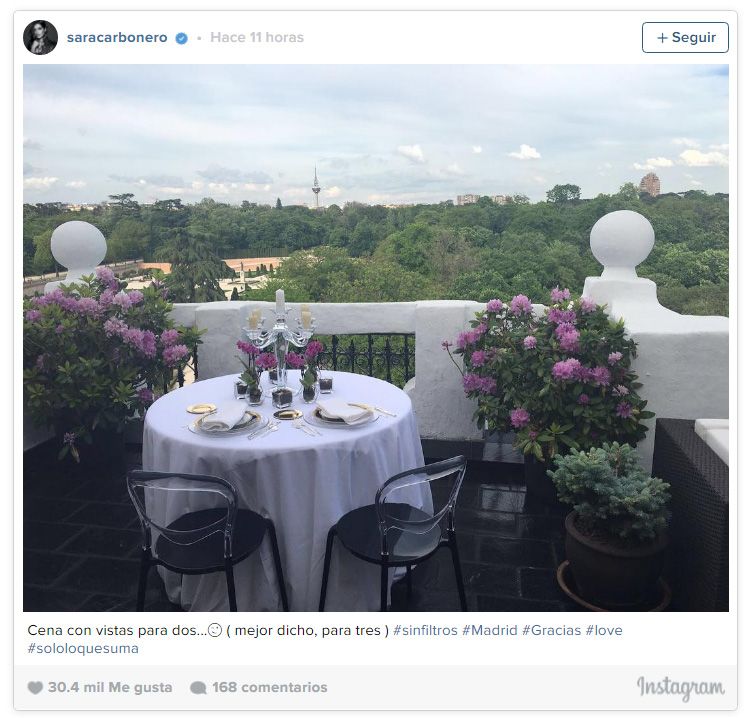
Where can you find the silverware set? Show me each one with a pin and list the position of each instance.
(373, 408)
(306, 428)
(271, 427)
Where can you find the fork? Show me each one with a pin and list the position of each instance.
(272, 426)
(298, 424)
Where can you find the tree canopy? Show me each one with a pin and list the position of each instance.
(360, 252)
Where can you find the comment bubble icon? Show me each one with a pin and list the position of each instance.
(198, 687)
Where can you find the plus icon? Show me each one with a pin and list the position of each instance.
(662, 38)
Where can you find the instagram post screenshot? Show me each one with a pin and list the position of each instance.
(374, 360)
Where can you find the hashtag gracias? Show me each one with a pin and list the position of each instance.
(528, 629)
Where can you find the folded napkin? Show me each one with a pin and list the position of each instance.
(225, 417)
(339, 409)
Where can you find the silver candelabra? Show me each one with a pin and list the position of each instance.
(281, 335)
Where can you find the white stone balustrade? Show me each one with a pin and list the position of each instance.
(682, 362)
(79, 247)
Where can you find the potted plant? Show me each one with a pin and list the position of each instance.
(559, 378)
(309, 376)
(268, 362)
(95, 357)
(616, 533)
(250, 378)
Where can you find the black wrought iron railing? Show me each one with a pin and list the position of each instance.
(390, 357)
(191, 368)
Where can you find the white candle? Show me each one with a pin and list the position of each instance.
(305, 316)
(253, 320)
(280, 295)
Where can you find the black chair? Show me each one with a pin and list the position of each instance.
(393, 534)
(201, 541)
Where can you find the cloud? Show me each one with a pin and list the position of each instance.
(39, 182)
(695, 183)
(476, 149)
(653, 163)
(30, 144)
(413, 152)
(720, 148)
(455, 169)
(228, 188)
(660, 162)
(526, 153)
(332, 192)
(685, 142)
(29, 169)
(144, 180)
(217, 173)
(75, 184)
(695, 158)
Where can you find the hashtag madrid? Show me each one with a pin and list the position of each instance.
(483, 630)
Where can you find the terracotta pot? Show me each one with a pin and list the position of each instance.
(538, 483)
(609, 575)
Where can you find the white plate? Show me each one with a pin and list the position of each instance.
(314, 420)
(259, 423)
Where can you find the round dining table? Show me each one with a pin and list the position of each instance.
(303, 482)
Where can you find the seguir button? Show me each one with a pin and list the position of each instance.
(685, 37)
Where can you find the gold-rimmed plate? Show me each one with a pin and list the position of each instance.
(327, 419)
(251, 421)
(200, 408)
(316, 419)
(288, 414)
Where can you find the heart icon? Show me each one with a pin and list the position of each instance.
(35, 686)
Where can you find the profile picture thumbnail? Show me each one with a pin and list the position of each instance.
(40, 37)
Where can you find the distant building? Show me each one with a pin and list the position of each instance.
(467, 199)
(650, 184)
(503, 199)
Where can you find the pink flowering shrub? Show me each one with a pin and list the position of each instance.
(561, 379)
(96, 356)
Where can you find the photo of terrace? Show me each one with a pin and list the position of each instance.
(284, 358)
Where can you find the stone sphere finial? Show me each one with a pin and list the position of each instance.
(621, 240)
(79, 247)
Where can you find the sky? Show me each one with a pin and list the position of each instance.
(377, 133)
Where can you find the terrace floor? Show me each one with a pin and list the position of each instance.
(81, 544)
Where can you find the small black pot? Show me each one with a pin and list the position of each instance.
(612, 576)
(538, 483)
(309, 393)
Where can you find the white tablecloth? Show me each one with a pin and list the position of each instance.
(303, 484)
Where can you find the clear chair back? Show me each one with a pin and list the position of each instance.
(437, 485)
(161, 499)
